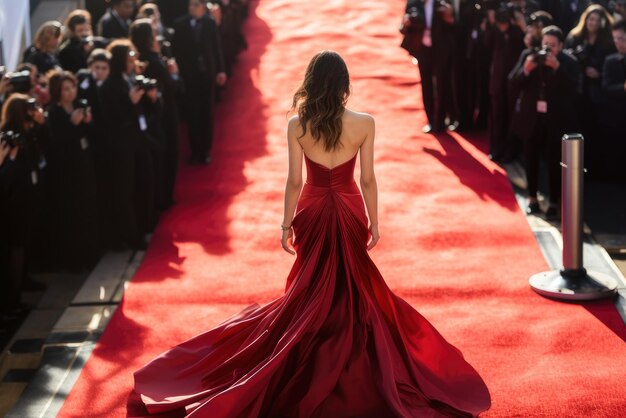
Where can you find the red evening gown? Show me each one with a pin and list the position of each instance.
(338, 343)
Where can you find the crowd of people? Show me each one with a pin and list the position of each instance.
(89, 132)
(528, 71)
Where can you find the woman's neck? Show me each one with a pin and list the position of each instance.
(67, 106)
(592, 37)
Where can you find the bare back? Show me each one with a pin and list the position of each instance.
(355, 130)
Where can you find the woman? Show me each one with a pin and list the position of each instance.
(339, 343)
(23, 173)
(72, 175)
(43, 52)
(591, 42)
(128, 153)
(163, 126)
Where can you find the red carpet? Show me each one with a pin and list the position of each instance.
(454, 243)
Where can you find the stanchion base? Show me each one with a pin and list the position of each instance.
(589, 286)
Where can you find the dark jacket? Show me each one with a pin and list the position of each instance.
(112, 27)
(560, 89)
(506, 48)
(120, 115)
(42, 60)
(442, 34)
(613, 79)
(197, 56)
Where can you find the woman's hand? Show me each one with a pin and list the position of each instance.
(592, 72)
(78, 116)
(375, 236)
(135, 94)
(5, 149)
(88, 115)
(286, 241)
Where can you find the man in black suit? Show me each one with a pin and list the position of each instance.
(197, 47)
(549, 85)
(614, 84)
(115, 23)
(432, 28)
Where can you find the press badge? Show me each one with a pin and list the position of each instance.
(84, 144)
(143, 125)
(542, 106)
(426, 38)
(42, 163)
(33, 177)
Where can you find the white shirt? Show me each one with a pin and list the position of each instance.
(428, 12)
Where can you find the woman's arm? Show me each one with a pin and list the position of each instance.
(294, 181)
(368, 180)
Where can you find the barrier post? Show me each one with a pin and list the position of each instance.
(573, 281)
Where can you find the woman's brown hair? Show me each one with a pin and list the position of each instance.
(77, 17)
(15, 113)
(580, 32)
(321, 99)
(119, 49)
(55, 84)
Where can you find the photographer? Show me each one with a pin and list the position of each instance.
(164, 129)
(614, 84)
(549, 82)
(22, 176)
(129, 168)
(25, 80)
(75, 49)
(72, 181)
(430, 25)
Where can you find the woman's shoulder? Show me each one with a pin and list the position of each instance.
(358, 120)
(358, 116)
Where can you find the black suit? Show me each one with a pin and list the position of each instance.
(111, 26)
(435, 65)
(560, 89)
(198, 52)
(613, 79)
(614, 126)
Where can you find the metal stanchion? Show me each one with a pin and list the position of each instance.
(573, 281)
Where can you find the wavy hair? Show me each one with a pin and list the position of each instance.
(321, 99)
(580, 33)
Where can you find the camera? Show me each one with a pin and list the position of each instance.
(580, 52)
(145, 83)
(416, 21)
(19, 81)
(539, 55)
(85, 40)
(32, 104)
(82, 104)
(14, 139)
